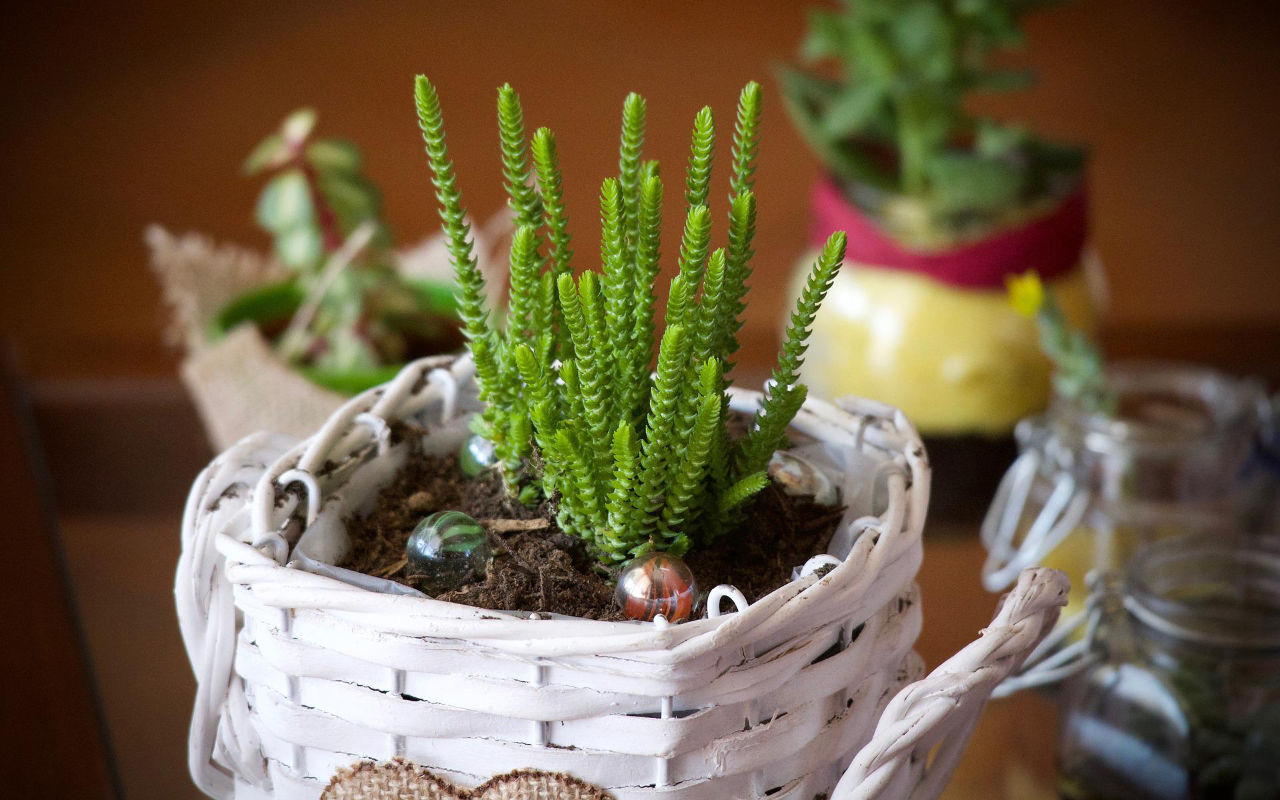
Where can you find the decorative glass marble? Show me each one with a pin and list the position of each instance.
(446, 550)
(656, 583)
(797, 476)
(476, 456)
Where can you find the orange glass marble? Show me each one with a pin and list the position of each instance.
(656, 583)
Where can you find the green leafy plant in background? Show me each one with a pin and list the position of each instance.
(357, 312)
(635, 461)
(894, 123)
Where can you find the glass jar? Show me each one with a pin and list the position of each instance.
(1087, 489)
(1185, 704)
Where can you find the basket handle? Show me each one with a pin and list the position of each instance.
(220, 741)
(941, 710)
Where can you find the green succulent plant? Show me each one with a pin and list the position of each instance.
(894, 122)
(315, 197)
(634, 461)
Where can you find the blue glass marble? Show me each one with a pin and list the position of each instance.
(446, 550)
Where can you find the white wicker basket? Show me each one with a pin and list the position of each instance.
(303, 668)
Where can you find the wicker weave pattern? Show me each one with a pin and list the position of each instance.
(776, 698)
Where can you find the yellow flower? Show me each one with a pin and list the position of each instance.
(1026, 293)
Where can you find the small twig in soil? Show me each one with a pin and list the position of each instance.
(514, 525)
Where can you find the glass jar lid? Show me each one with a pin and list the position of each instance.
(1165, 404)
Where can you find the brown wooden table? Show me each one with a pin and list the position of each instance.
(144, 114)
(51, 726)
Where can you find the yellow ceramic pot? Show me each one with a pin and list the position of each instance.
(954, 360)
(918, 317)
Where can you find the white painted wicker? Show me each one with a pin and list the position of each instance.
(303, 668)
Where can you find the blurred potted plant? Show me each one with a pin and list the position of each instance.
(277, 344)
(940, 207)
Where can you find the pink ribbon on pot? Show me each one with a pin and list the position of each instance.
(1049, 244)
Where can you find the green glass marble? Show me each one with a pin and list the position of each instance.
(476, 456)
(447, 550)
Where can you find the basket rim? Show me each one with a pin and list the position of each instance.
(256, 565)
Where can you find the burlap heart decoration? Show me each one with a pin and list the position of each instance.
(403, 780)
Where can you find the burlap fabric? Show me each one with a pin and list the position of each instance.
(403, 780)
(237, 383)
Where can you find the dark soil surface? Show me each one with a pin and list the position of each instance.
(537, 567)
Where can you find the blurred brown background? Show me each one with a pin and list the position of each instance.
(114, 119)
(118, 117)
